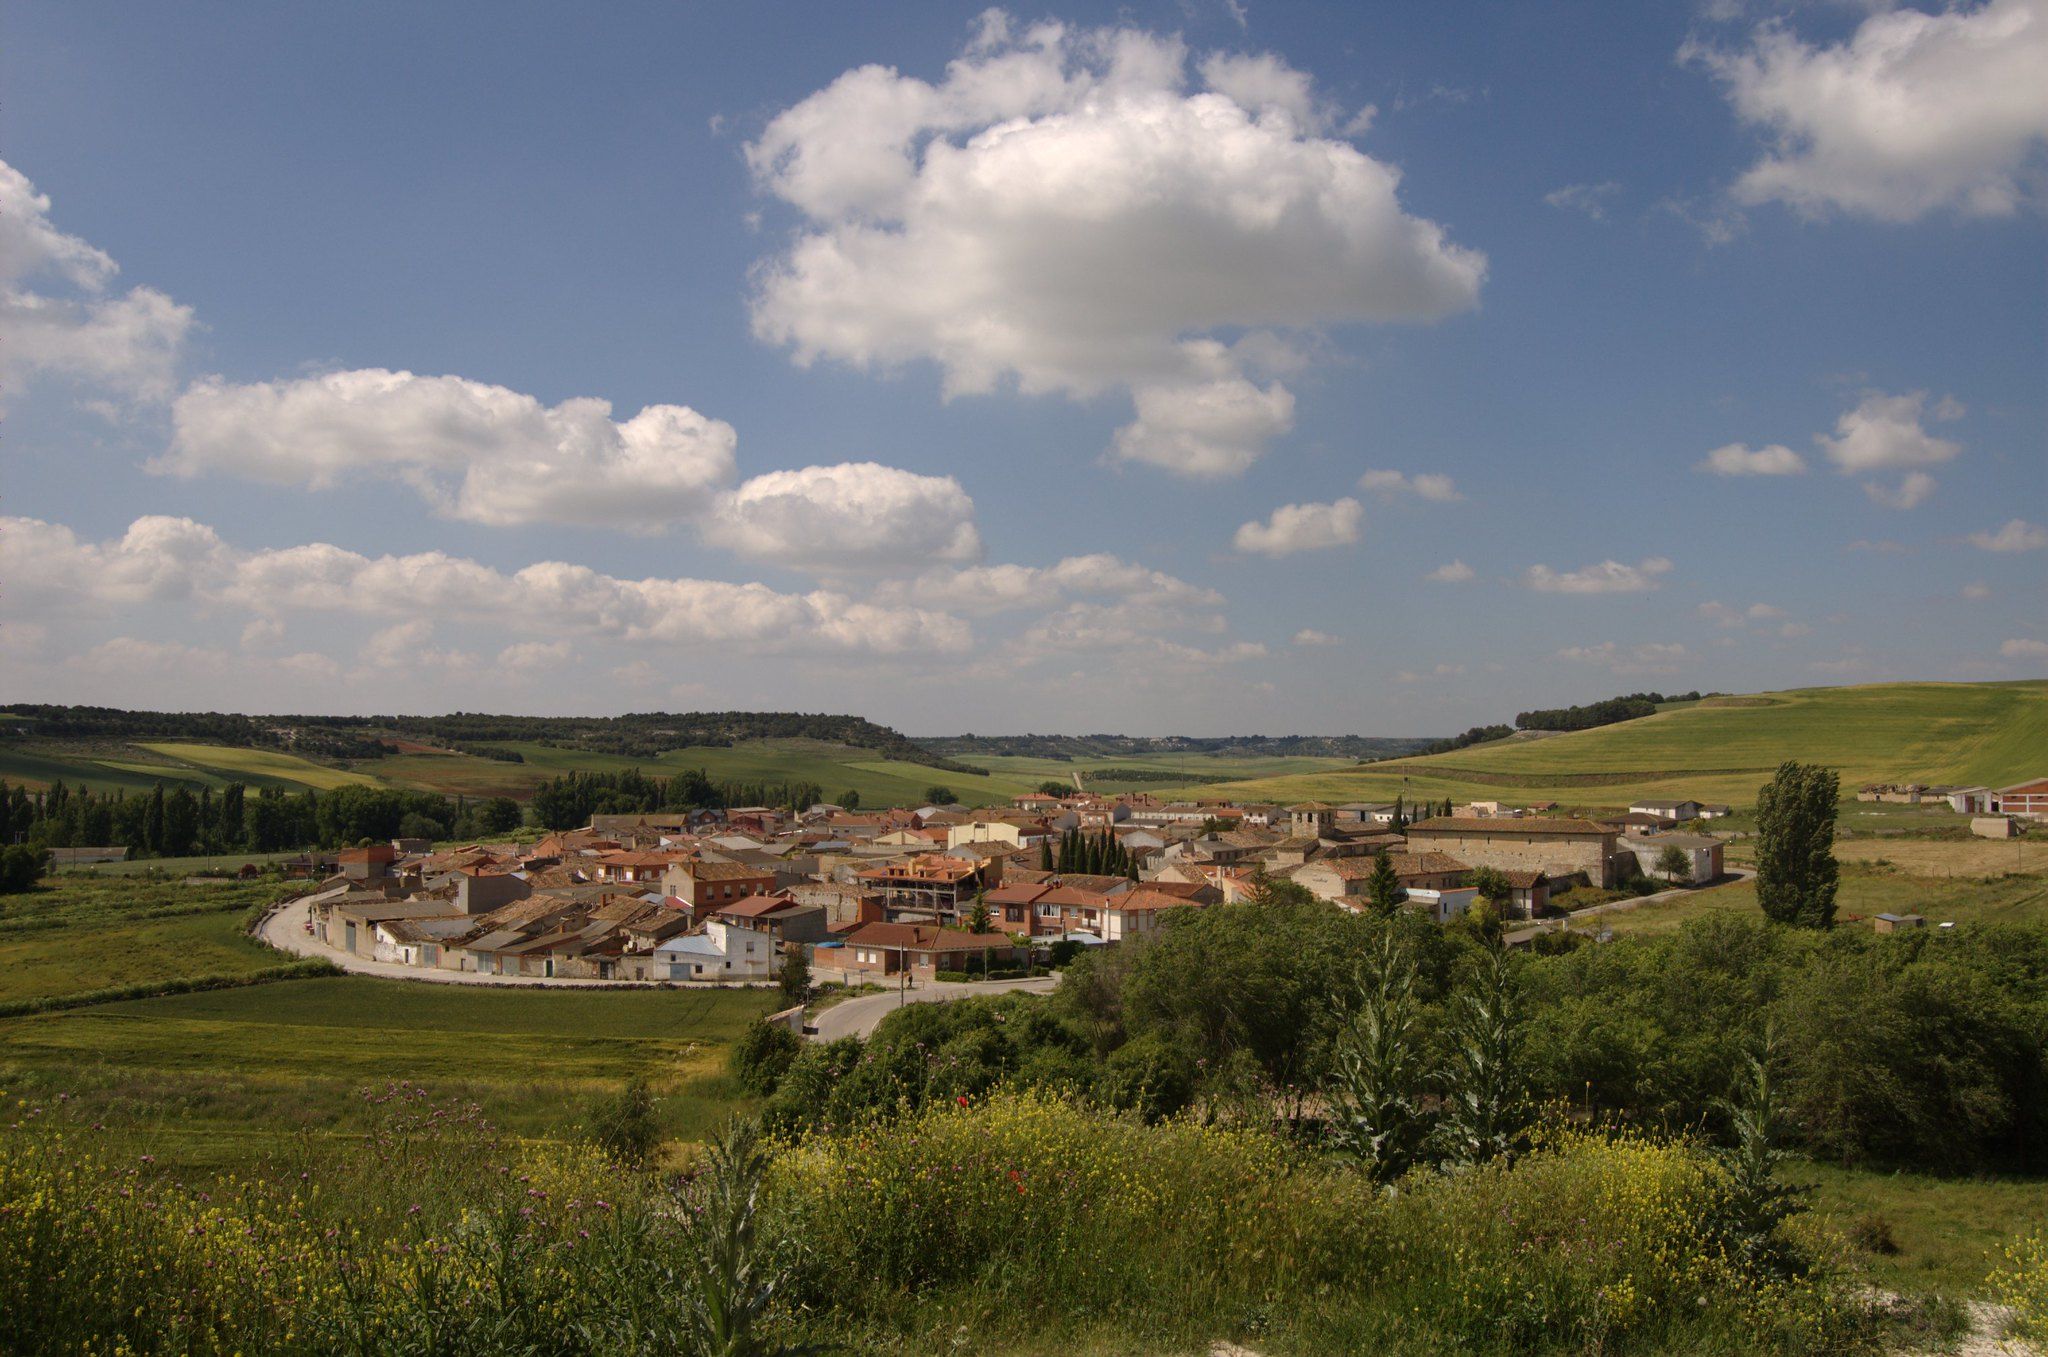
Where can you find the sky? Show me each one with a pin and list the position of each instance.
(1237, 367)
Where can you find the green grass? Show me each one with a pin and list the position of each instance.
(1724, 749)
(231, 1073)
(1950, 1232)
(41, 767)
(77, 933)
(259, 767)
(1865, 891)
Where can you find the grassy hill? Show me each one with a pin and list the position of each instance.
(1722, 749)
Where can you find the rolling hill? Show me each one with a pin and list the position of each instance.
(1721, 749)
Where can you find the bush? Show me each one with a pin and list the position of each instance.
(762, 1055)
(21, 866)
(1872, 1233)
(625, 1126)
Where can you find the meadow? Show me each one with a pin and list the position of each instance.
(225, 1075)
(1722, 749)
(1867, 889)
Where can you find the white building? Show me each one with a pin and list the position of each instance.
(720, 952)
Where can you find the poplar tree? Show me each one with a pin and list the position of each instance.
(1796, 873)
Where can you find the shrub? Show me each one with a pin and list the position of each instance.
(2022, 1285)
(1872, 1233)
(625, 1126)
(761, 1056)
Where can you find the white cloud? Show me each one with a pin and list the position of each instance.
(1914, 113)
(1455, 572)
(1914, 489)
(1309, 636)
(854, 516)
(1737, 460)
(527, 657)
(1977, 589)
(1427, 485)
(1792, 631)
(1591, 199)
(1203, 428)
(1003, 588)
(128, 344)
(1063, 211)
(2016, 535)
(126, 656)
(1724, 615)
(1888, 433)
(2024, 648)
(1607, 577)
(51, 573)
(472, 451)
(1302, 527)
(1650, 657)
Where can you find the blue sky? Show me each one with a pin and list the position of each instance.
(1274, 367)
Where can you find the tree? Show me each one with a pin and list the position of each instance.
(938, 795)
(1378, 1077)
(1674, 862)
(1796, 873)
(849, 799)
(761, 1056)
(978, 920)
(1052, 786)
(1492, 885)
(21, 866)
(1400, 815)
(1383, 888)
(796, 976)
(1485, 1094)
(1045, 854)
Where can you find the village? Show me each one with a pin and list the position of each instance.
(907, 896)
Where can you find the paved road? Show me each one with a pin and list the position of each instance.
(285, 930)
(858, 1017)
(1728, 878)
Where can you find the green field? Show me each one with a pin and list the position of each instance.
(77, 933)
(1866, 890)
(1723, 749)
(219, 1076)
(1948, 1232)
(259, 767)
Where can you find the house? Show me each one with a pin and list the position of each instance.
(1972, 800)
(1309, 820)
(1714, 810)
(929, 883)
(369, 863)
(921, 949)
(1993, 826)
(1897, 923)
(1342, 880)
(1443, 905)
(779, 916)
(2028, 799)
(83, 857)
(1555, 847)
(702, 885)
(720, 952)
(1703, 851)
(1669, 811)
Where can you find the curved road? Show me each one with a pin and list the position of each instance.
(285, 929)
(858, 1017)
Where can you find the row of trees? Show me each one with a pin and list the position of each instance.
(569, 801)
(1083, 854)
(178, 822)
(1627, 707)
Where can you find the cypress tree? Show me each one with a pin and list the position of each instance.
(153, 821)
(1796, 873)
(1383, 887)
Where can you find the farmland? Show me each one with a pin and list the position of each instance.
(1866, 889)
(1722, 749)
